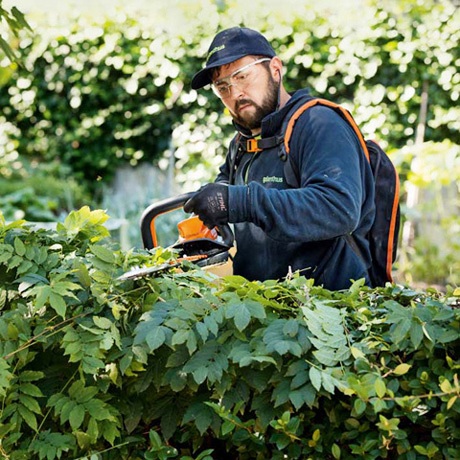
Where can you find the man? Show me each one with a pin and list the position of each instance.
(279, 227)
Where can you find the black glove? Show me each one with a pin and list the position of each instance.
(210, 203)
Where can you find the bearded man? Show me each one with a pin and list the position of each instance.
(280, 226)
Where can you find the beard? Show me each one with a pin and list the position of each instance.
(269, 105)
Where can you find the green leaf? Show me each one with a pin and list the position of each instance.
(28, 416)
(103, 323)
(379, 405)
(315, 377)
(402, 369)
(291, 328)
(421, 450)
(451, 402)
(67, 408)
(76, 417)
(21, 20)
(202, 331)
(201, 414)
(180, 337)
(227, 427)
(25, 266)
(247, 360)
(48, 443)
(91, 365)
(93, 430)
(155, 440)
(275, 339)
(380, 388)
(85, 394)
(30, 389)
(58, 304)
(65, 288)
(7, 50)
(304, 395)
(281, 393)
(170, 421)
(328, 382)
(401, 319)
(256, 309)
(97, 409)
(5, 376)
(335, 451)
(30, 403)
(416, 334)
(31, 376)
(388, 425)
(110, 432)
(359, 406)
(209, 362)
(156, 337)
(449, 335)
(326, 356)
(103, 253)
(191, 342)
(241, 314)
(212, 325)
(43, 294)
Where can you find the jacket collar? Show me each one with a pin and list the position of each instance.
(271, 124)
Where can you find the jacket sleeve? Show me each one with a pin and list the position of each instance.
(329, 200)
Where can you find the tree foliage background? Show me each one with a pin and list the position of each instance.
(104, 86)
(184, 364)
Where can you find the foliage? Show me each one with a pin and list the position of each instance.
(15, 21)
(186, 365)
(112, 91)
(433, 171)
(98, 97)
(40, 193)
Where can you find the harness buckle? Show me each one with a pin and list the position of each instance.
(252, 146)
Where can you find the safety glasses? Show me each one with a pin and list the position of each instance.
(241, 78)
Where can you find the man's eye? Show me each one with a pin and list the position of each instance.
(241, 76)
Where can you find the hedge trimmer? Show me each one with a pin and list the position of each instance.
(196, 242)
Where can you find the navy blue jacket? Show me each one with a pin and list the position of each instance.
(279, 228)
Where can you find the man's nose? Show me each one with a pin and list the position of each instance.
(235, 91)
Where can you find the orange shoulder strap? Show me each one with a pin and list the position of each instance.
(342, 111)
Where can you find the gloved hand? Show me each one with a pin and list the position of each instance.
(210, 203)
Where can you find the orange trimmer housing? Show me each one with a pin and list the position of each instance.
(193, 228)
(195, 239)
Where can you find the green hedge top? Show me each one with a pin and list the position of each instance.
(187, 365)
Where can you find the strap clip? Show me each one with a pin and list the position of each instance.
(252, 146)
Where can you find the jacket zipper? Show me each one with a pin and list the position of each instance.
(246, 174)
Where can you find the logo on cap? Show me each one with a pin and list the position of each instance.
(215, 50)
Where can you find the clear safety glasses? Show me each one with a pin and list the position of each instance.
(242, 78)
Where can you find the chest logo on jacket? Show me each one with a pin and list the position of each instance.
(272, 179)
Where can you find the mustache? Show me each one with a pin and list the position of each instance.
(242, 102)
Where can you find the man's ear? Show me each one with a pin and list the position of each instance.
(276, 67)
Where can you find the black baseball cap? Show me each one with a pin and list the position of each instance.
(228, 46)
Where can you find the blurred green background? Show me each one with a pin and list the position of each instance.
(98, 108)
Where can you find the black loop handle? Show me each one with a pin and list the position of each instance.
(147, 222)
(227, 235)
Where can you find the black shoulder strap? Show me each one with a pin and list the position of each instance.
(236, 149)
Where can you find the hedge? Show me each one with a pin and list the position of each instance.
(187, 365)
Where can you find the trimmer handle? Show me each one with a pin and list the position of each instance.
(147, 223)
